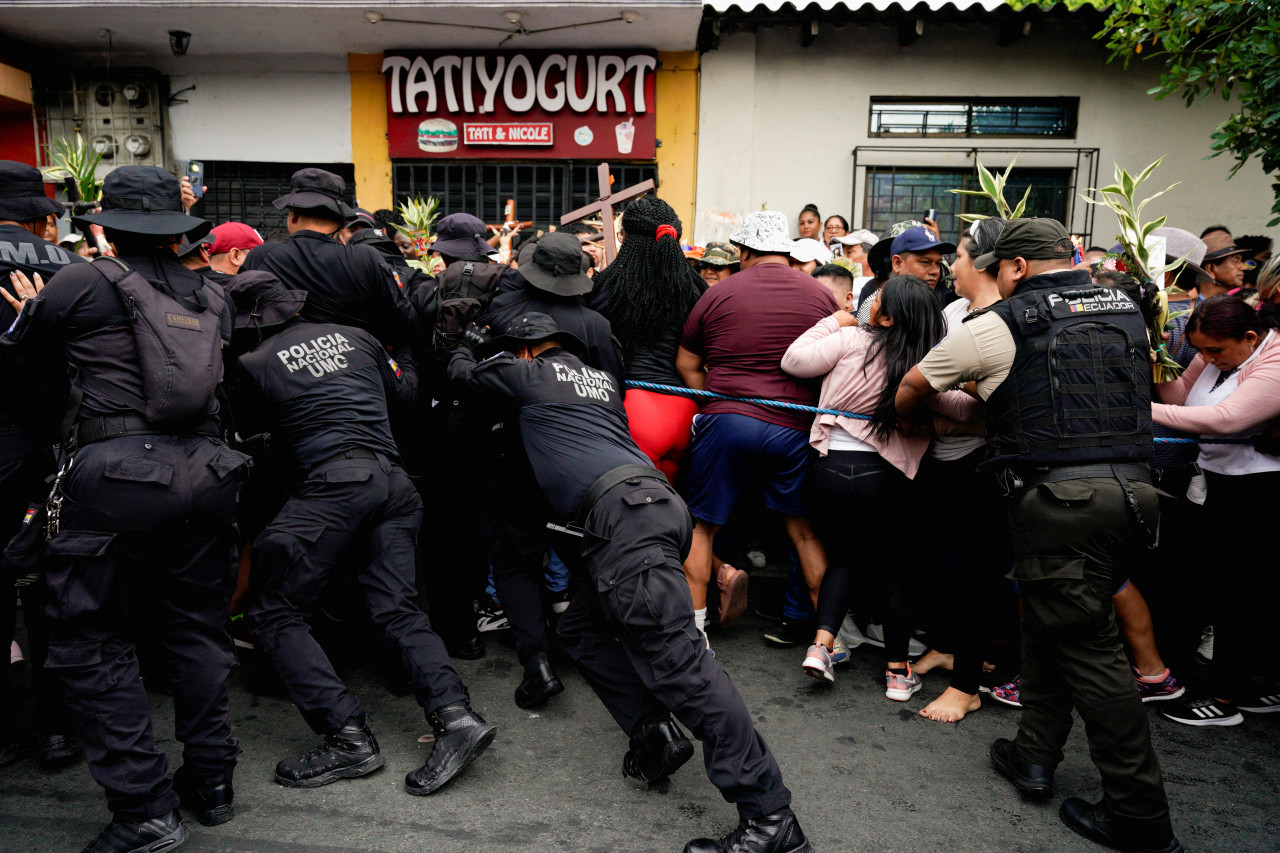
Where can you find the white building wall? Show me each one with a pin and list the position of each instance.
(778, 122)
(264, 114)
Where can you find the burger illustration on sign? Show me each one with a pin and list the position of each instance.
(438, 135)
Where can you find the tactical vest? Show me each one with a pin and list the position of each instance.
(1079, 391)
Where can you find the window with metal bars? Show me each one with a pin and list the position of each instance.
(894, 195)
(1034, 117)
(542, 190)
(240, 191)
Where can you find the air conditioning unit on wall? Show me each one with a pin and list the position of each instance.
(121, 113)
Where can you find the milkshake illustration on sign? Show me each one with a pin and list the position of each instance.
(626, 136)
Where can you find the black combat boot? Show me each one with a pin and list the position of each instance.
(56, 750)
(657, 750)
(349, 752)
(539, 684)
(211, 804)
(1035, 782)
(774, 833)
(461, 735)
(156, 835)
(1101, 824)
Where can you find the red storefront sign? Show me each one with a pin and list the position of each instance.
(527, 105)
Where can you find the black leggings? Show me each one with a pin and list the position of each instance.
(968, 558)
(1241, 614)
(860, 504)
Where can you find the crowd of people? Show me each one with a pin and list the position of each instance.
(957, 450)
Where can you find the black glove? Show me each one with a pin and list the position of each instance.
(477, 337)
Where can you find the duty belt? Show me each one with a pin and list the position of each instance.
(353, 453)
(609, 479)
(93, 430)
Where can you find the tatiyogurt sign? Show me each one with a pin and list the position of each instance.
(520, 105)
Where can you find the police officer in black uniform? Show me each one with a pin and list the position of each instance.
(630, 628)
(321, 389)
(33, 388)
(350, 285)
(142, 533)
(550, 281)
(1064, 367)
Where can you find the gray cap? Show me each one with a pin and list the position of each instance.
(1183, 244)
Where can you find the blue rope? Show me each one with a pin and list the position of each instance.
(796, 407)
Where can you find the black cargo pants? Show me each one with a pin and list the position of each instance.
(630, 632)
(146, 543)
(1072, 541)
(366, 507)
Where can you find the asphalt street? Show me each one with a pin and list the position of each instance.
(867, 774)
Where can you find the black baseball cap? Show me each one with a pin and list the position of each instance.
(262, 300)
(556, 263)
(1036, 239)
(534, 328)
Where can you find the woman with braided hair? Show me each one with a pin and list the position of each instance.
(646, 293)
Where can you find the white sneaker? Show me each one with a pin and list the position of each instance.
(15, 654)
(875, 637)
(757, 559)
(849, 634)
(900, 688)
(1204, 651)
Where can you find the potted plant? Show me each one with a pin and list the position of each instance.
(75, 160)
(419, 216)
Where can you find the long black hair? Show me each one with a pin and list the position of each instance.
(650, 283)
(917, 328)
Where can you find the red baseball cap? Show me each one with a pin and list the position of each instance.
(234, 235)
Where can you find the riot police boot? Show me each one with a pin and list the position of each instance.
(467, 647)
(349, 752)
(774, 833)
(657, 750)
(210, 804)
(539, 684)
(1035, 782)
(56, 750)
(154, 835)
(461, 735)
(1100, 824)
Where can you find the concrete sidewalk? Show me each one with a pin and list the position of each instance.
(867, 774)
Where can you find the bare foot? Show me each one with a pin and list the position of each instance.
(951, 706)
(934, 660)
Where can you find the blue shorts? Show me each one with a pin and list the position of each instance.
(730, 451)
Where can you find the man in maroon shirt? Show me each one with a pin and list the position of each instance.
(732, 344)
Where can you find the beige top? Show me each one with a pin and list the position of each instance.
(979, 350)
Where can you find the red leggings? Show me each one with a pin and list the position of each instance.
(662, 425)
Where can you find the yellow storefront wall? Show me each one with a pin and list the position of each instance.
(676, 85)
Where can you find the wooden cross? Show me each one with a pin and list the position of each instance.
(604, 206)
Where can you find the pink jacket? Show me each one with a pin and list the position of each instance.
(841, 354)
(1255, 401)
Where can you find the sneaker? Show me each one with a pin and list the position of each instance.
(1205, 711)
(15, 654)
(1269, 704)
(875, 636)
(1204, 651)
(491, 619)
(733, 594)
(756, 558)
(818, 663)
(1007, 693)
(901, 687)
(839, 652)
(1159, 691)
(707, 640)
(789, 632)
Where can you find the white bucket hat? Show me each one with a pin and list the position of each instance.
(765, 232)
(808, 249)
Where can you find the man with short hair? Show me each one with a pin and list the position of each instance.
(232, 243)
(839, 281)
(352, 285)
(1057, 350)
(732, 344)
(359, 220)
